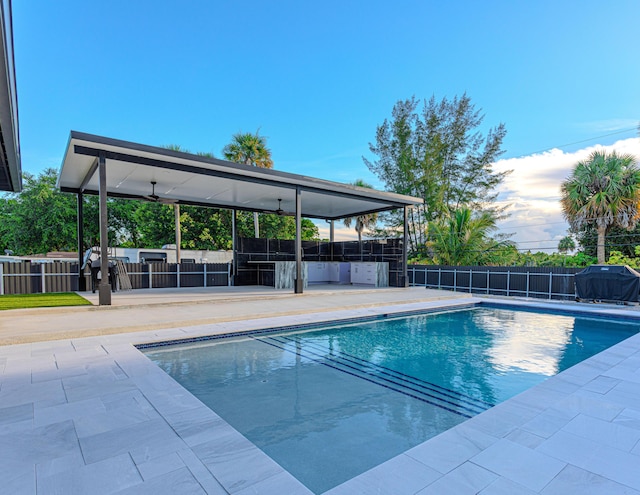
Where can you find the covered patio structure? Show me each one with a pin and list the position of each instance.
(110, 167)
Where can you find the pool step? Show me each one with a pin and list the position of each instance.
(416, 388)
(402, 377)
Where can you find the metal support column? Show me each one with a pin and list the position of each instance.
(104, 289)
(298, 285)
(332, 235)
(82, 282)
(234, 247)
(176, 211)
(405, 242)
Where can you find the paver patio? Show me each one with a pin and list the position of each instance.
(94, 415)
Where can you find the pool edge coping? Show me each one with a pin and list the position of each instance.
(173, 402)
(572, 308)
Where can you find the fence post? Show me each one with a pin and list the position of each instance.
(229, 274)
(508, 281)
(42, 275)
(150, 276)
(1, 279)
(470, 281)
(487, 281)
(439, 278)
(205, 274)
(527, 293)
(550, 284)
(455, 280)
(178, 275)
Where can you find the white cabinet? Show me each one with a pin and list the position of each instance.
(339, 272)
(318, 272)
(336, 272)
(370, 273)
(363, 273)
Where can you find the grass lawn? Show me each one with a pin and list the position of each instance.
(20, 301)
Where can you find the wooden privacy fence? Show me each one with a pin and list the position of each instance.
(31, 278)
(540, 282)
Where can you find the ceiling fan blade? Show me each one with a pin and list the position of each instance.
(280, 212)
(154, 198)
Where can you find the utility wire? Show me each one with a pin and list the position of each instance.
(580, 142)
(509, 227)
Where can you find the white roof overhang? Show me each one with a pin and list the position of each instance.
(191, 179)
(10, 163)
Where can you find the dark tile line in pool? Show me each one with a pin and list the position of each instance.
(350, 358)
(303, 326)
(581, 312)
(409, 392)
(387, 374)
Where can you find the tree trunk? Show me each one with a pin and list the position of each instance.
(600, 248)
(256, 225)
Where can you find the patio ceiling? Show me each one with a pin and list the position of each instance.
(10, 164)
(184, 178)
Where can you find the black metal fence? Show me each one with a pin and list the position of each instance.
(31, 278)
(540, 282)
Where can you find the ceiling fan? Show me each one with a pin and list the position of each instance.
(153, 197)
(279, 211)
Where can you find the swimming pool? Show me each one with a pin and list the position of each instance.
(329, 403)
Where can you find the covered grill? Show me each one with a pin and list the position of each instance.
(608, 283)
(96, 275)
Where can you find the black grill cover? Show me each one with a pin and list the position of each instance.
(608, 282)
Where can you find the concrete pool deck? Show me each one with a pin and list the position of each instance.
(94, 415)
(148, 309)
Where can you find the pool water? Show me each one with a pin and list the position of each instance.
(330, 403)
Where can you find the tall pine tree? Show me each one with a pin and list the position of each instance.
(434, 150)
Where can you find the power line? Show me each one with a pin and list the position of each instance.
(580, 142)
(622, 131)
(533, 225)
(509, 227)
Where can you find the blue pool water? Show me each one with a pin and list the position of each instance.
(330, 403)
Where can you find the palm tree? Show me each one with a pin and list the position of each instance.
(566, 244)
(362, 222)
(603, 191)
(249, 149)
(462, 238)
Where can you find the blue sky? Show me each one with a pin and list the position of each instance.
(317, 78)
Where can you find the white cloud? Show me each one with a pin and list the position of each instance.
(532, 196)
(340, 232)
(532, 192)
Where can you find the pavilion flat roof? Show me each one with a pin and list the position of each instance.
(185, 178)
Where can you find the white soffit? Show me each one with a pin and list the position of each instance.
(191, 179)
